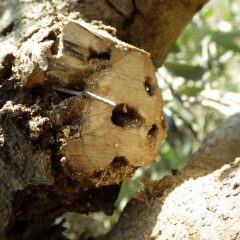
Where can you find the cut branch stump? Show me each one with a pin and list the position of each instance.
(118, 119)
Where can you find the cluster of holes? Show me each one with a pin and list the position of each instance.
(124, 116)
(149, 86)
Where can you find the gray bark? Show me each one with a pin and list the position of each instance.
(201, 202)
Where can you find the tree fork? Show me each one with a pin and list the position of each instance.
(30, 148)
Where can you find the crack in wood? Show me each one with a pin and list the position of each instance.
(115, 9)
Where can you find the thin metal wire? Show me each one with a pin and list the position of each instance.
(88, 95)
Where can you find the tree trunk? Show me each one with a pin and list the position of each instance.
(200, 202)
(62, 153)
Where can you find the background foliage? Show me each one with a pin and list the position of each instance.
(200, 84)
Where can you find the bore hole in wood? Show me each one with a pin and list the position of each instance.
(7, 66)
(94, 54)
(64, 95)
(149, 86)
(119, 162)
(54, 37)
(153, 131)
(125, 116)
(8, 29)
(79, 86)
(19, 227)
(37, 91)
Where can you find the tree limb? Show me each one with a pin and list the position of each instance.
(200, 202)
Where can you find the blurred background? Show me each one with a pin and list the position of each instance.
(200, 82)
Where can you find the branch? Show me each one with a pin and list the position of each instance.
(200, 202)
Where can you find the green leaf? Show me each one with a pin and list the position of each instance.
(208, 14)
(190, 91)
(185, 70)
(229, 41)
(177, 157)
(175, 48)
(128, 189)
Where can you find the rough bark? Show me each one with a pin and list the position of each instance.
(152, 25)
(200, 202)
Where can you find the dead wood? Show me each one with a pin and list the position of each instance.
(116, 122)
